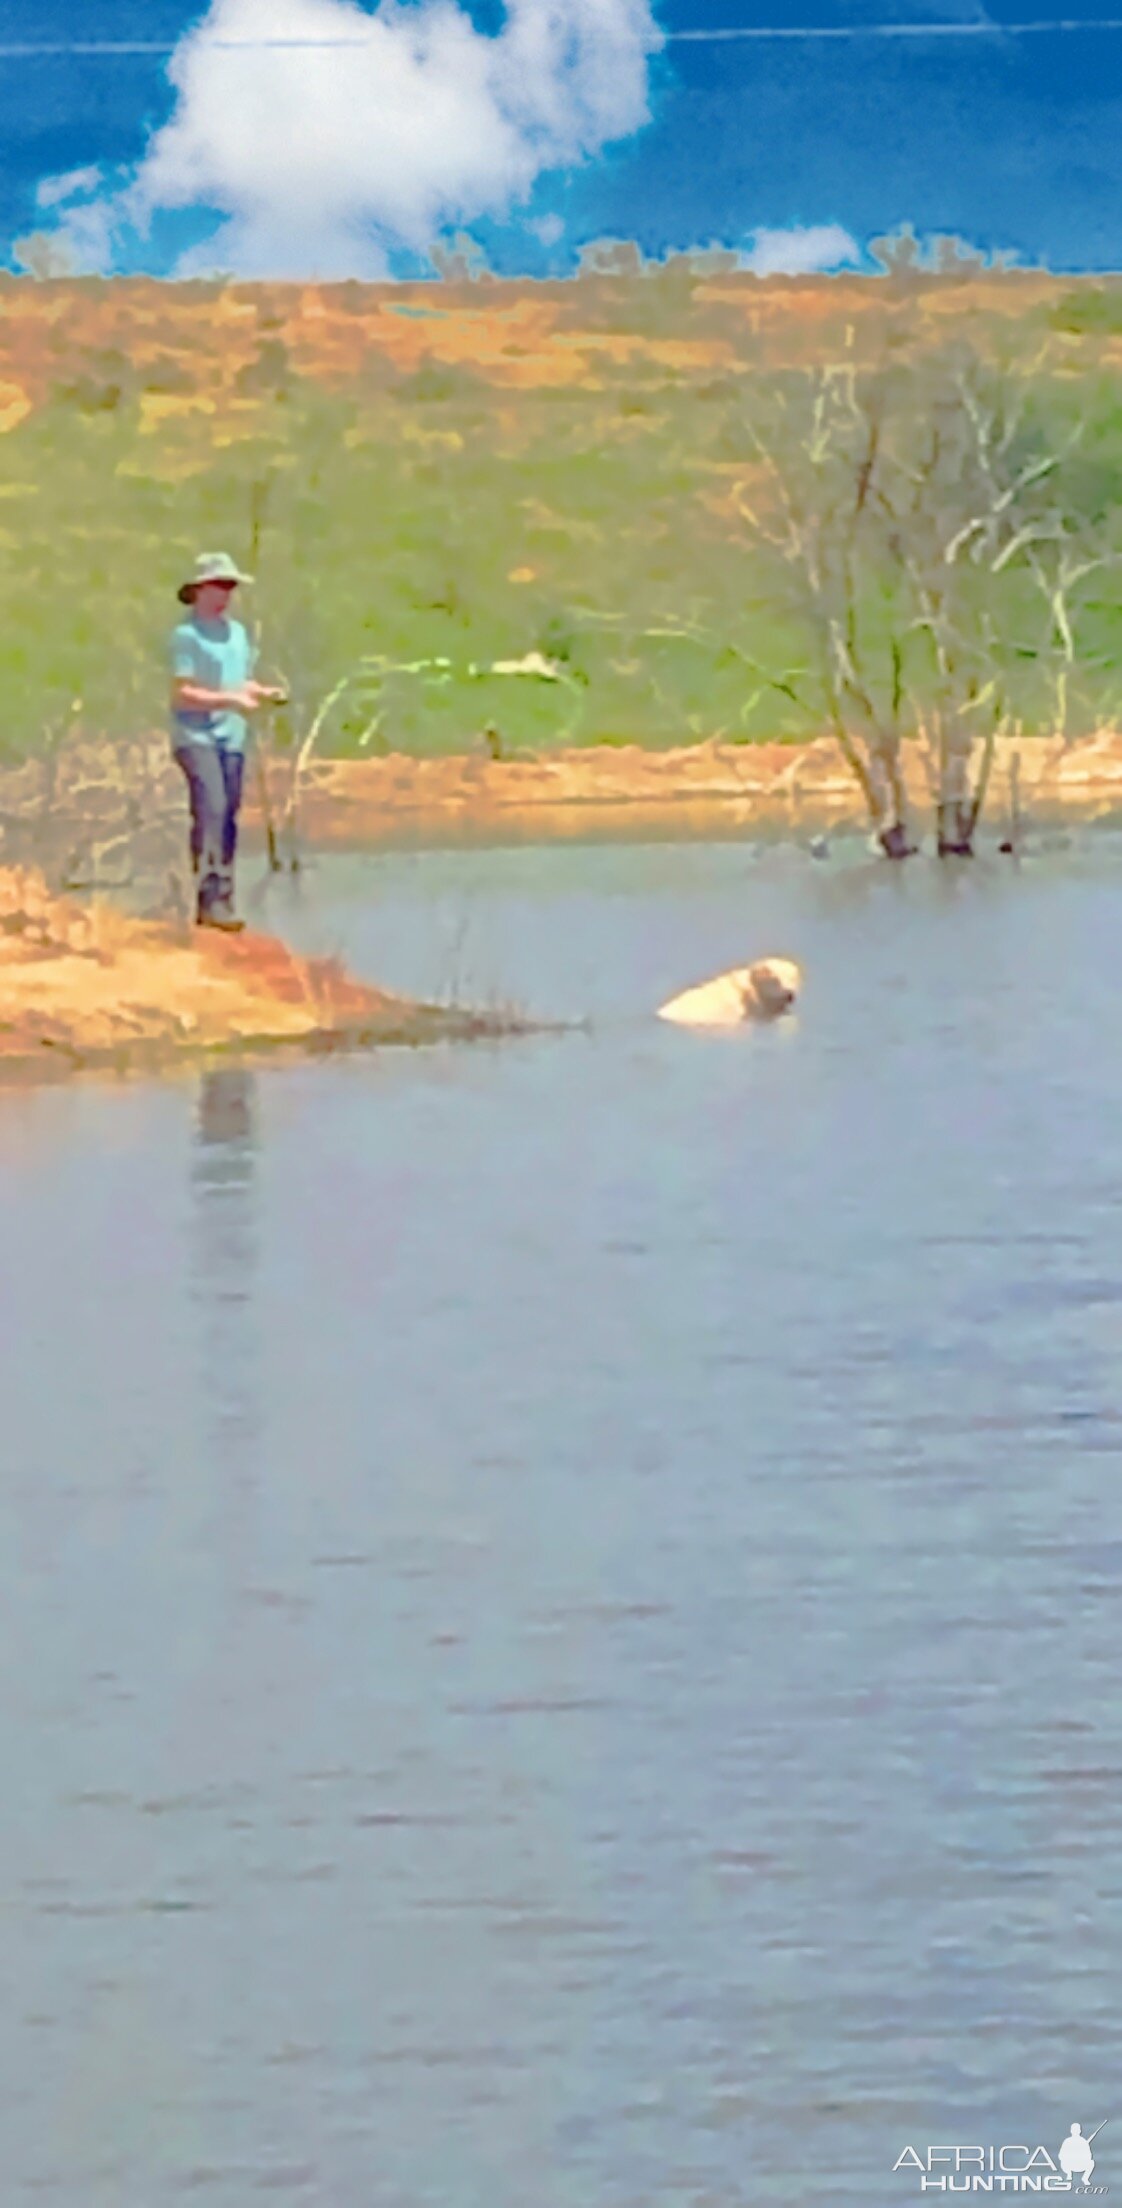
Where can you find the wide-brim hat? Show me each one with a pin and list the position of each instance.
(211, 567)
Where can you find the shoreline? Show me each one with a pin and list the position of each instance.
(120, 983)
(153, 1057)
(110, 819)
(89, 989)
(620, 793)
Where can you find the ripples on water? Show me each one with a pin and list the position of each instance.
(561, 1601)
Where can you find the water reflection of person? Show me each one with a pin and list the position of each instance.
(220, 1708)
(225, 1252)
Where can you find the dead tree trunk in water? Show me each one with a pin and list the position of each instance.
(887, 800)
(955, 810)
(1011, 847)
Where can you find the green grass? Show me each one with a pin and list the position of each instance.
(396, 515)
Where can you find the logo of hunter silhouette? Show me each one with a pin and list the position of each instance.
(1076, 2158)
(1008, 2169)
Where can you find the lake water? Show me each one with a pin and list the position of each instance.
(561, 1602)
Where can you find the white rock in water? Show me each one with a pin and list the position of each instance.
(759, 992)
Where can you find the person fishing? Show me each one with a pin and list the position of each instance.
(213, 695)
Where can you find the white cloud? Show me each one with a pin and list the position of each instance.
(81, 244)
(801, 252)
(76, 184)
(549, 229)
(88, 235)
(375, 130)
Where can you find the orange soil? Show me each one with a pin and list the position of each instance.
(90, 986)
(518, 335)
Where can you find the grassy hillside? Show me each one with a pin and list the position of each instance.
(464, 474)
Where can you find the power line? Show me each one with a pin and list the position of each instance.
(43, 50)
(115, 48)
(903, 30)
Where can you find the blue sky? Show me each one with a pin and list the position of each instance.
(569, 120)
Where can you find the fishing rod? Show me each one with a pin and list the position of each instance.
(258, 497)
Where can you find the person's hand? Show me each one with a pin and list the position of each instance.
(268, 693)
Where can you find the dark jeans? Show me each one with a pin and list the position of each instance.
(214, 780)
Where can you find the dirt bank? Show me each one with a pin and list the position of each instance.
(112, 818)
(615, 791)
(91, 987)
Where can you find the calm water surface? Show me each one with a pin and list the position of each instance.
(561, 1603)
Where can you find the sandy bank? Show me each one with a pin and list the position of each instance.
(620, 791)
(85, 988)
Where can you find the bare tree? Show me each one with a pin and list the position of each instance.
(459, 259)
(818, 442)
(917, 514)
(988, 545)
(45, 256)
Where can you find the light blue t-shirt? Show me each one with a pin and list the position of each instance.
(219, 656)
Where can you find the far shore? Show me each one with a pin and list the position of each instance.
(611, 792)
(106, 818)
